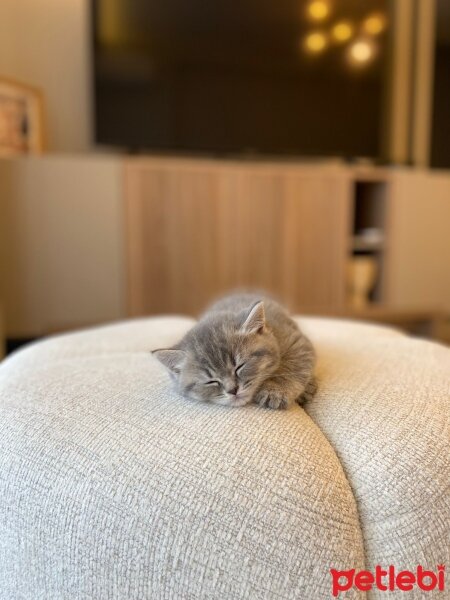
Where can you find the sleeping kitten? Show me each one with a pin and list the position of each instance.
(244, 349)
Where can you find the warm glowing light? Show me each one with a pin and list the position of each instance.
(375, 24)
(315, 42)
(342, 31)
(361, 52)
(318, 10)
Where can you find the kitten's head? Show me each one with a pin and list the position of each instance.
(224, 358)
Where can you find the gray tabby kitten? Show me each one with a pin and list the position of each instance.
(244, 349)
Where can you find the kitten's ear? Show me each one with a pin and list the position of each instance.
(255, 321)
(171, 359)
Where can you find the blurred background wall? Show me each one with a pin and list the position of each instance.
(90, 233)
(47, 43)
(62, 249)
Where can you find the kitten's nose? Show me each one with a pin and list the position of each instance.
(234, 390)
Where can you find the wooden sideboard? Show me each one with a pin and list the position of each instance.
(196, 229)
(87, 239)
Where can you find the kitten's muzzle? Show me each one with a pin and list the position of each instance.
(233, 391)
(240, 400)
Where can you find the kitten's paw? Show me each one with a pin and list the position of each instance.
(271, 397)
(309, 392)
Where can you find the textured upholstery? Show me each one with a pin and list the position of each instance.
(113, 487)
(385, 407)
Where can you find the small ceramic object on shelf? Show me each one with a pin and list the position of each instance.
(361, 277)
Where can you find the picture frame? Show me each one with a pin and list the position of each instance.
(21, 119)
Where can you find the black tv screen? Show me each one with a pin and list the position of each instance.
(278, 77)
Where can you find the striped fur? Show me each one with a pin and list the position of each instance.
(244, 349)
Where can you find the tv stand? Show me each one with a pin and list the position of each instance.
(92, 238)
(199, 227)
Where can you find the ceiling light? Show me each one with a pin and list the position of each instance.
(315, 42)
(318, 10)
(375, 24)
(361, 52)
(342, 31)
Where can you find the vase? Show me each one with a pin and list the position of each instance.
(361, 278)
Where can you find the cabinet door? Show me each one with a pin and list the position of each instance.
(178, 244)
(294, 228)
(419, 241)
(197, 231)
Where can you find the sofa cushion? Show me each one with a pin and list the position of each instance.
(384, 405)
(114, 487)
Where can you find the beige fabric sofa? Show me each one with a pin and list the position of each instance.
(114, 487)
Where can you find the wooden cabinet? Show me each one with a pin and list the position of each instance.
(418, 255)
(197, 229)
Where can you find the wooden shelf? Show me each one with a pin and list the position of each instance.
(360, 243)
(431, 322)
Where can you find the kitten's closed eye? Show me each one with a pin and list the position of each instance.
(212, 382)
(239, 368)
